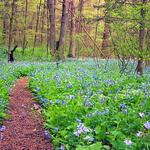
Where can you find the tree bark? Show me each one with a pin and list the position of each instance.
(60, 49)
(72, 29)
(106, 41)
(139, 67)
(78, 23)
(5, 23)
(24, 43)
(11, 25)
(37, 25)
(51, 7)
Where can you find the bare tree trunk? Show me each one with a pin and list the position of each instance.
(51, 7)
(5, 22)
(48, 29)
(139, 68)
(78, 24)
(37, 25)
(106, 41)
(72, 52)
(24, 43)
(62, 30)
(11, 25)
(42, 23)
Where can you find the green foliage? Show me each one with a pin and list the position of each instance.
(78, 95)
(84, 107)
(125, 20)
(8, 74)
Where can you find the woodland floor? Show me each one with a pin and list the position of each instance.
(24, 129)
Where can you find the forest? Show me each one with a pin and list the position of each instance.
(74, 74)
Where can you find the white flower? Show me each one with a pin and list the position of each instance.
(142, 115)
(128, 142)
(139, 134)
(147, 125)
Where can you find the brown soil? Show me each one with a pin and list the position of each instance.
(24, 128)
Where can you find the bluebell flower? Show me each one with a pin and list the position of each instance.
(81, 128)
(62, 147)
(69, 85)
(71, 97)
(90, 115)
(125, 111)
(100, 92)
(63, 102)
(89, 138)
(122, 106)
(78, 120)
(94, 77)
(56, 129)
(128, 142)
(2, 128)
(44, 101)
(88, 103)
(147, 125)
(46, 134)
(51, 102)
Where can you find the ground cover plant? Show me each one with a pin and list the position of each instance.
(86, 107)
(9, 73)
(89, 108)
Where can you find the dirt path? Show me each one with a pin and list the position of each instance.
(24, 129)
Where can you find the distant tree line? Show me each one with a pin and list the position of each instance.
(96, 28)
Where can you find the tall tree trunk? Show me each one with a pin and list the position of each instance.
(51, 7)
(11, 25)
(72, 29)
(37, 25)
(106, 41)
(42, 23)
(60, 48)
(48, 30)
(139, 68)
(24, 43)
(78, 24)
(5, 22)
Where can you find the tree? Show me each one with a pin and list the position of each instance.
(72, 29)
(37, 24)
(11, 25)
(51, 7)
(60, 49)
(139, 68)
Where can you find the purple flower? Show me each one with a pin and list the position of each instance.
(78, 120)
(88, 103)
(122, 106)
(2, 128)
(147, 125)
(69, 85)
(71, 97)
(128, 142)
(125, 111)
(62, 147)
(100, 92)
(56, 129)
(47, 135)
(81, 128)
(90, 115)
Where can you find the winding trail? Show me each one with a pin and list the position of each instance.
(24, 127)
